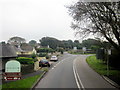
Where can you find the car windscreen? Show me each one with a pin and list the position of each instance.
(44, 60)
(53, 56)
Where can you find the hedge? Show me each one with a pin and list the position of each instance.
(25, 60)
(45, 50)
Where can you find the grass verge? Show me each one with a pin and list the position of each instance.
(24, 83)
(100, 67)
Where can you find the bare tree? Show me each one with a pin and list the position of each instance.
(98, 18)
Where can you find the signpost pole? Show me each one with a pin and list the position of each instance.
(107, 65)
(108, 53)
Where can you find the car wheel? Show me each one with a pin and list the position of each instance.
(40, 65)
(48, 65)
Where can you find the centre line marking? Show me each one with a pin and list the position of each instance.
(77, 78)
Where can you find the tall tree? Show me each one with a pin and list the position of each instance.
(76, 41)
(52, 42)
(67, 44)
(17, 40)
(32, 42)
(91, 42)
(98, 18)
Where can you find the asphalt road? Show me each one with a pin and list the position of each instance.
(88, 77)
(72, 71)
(60, 75)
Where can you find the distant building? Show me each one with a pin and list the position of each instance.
(16, 44)
(48, 46)
(25, 49)
(75, 48)
(84, 49)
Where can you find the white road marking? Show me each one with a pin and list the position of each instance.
(77, 78)
(58, 63)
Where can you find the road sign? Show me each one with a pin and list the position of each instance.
(75, 48)
(84, 49)
(109, 51)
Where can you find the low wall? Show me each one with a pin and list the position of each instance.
(27, 68)
(36, 66)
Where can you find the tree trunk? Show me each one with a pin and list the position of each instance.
(117, 47)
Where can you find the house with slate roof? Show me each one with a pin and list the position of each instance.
(25, 49)
(7, 52)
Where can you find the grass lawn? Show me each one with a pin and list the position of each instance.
(24, 83)
(100, 67)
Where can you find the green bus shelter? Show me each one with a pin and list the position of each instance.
(12, 66)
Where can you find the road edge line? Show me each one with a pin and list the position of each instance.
(36, 82)
(111, 81)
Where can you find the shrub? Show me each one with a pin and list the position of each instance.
(33, 55)
(25, 60)
(47, 57)
(61, 52)
(100, 54)
(42, 54)
(35, 60)
(114, 59)
(45, 50)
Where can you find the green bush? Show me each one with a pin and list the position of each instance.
(33, 55)
(35, 60)
(47, 57)
(45, 50)
(25, 60)
(42, 54)
(100, 54)
(61, 52)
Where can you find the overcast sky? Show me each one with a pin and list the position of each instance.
(34, 19)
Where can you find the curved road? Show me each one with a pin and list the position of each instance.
(72, 71)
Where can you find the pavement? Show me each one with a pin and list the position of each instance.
(32, 74)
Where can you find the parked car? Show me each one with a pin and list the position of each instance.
(44, 63)
(54, 58)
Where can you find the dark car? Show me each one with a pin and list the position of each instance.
(44, 63)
